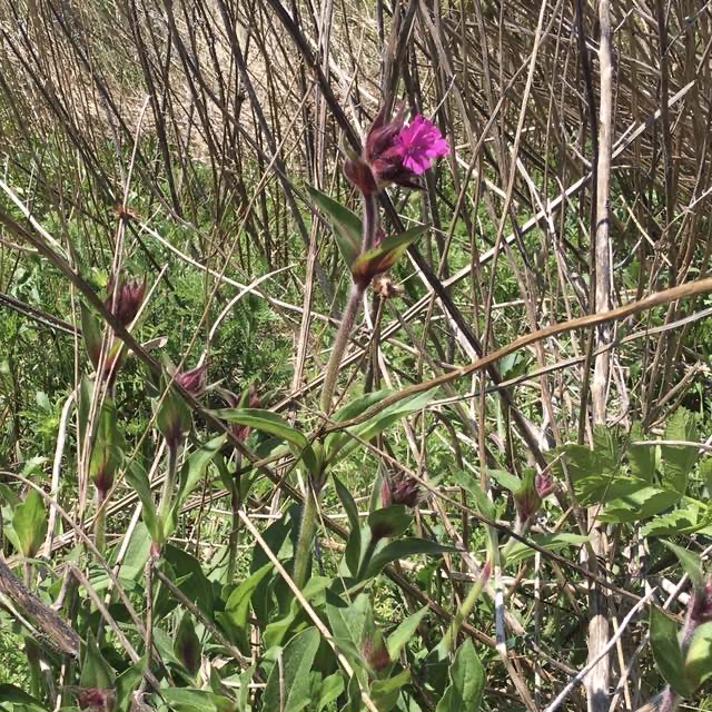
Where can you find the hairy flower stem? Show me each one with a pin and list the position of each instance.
(100, 522)
(370, 230)
(169, 484)
(340, 342)
(306, 534)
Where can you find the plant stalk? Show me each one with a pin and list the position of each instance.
(169, 484)
(340, 342)
(306, 534)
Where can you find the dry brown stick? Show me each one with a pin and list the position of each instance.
(598, 679)
(56, 632)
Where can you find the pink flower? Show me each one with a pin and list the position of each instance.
(395, 153)
(421, 144)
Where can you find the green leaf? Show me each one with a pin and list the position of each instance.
(389, 522)
(96, 672)
(237, 607)
(348, 622)
(467, 682)
(352, 555)
(678, 460)
(268, 422)
(287, 687)
(638, 504)
(402, 548)
(666, 651)
(334, 441)
(641, 457)
(483, 503)
(187, 645)
(346, 224)
(187, 699)
(331, 687)
(551, 542)
(377, 424)
(698, 661)
(16, 696)
(385, 692)
(690, 562)
(386, 254)
(138, 479)
(404, 632)
(680, 521)
(29, 523)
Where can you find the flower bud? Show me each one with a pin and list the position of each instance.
(125, 299)
(400, 489)
(527, 499)
(375, 653)
(193, 381)
(96, 700)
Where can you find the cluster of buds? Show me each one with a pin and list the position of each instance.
(96, 700)
(699, 611)
(396, 153)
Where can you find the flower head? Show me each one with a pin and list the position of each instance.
(544, 484)
(125, 298)
(396, 153)
(375, 653)
(420, 144)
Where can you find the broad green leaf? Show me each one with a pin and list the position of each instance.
(402, 548)
(639, 504)
(96, 672)
(287, 687)
(352, 555)
(483, 503)
(331, 687)
(377, 424)
(467, 682)
(641, 457)
(551, 542)
(404, 632)
(386, 254)
(16, 696)
(138, 479)
(187, 699)
(679, 521)
(268, 422)
(385, 692)
(666, 651)
(314, 592)
(690, 562)
(698, 661)
(506, 480)
(29, 523)
(346, 224)
(348, 622)
(187, 646)
(389, 522)
(137, 553)
(678, 460)
(351, 410)
(237, 607)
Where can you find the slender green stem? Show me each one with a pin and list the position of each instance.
(100, 523)
(169, 484)
(306, 534)
(448, 642)
(340, 342)
(234, 531)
